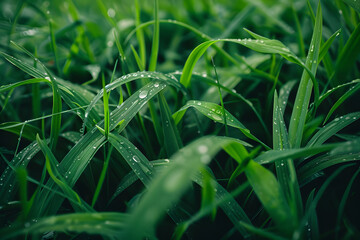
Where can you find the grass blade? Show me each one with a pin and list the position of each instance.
(170, 185)
(345, 96)
(332, 128)
(106, 223)
(215, 112)
(303, 95)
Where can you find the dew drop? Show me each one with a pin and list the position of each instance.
(136, 159)
(202, 149)
(143, 94)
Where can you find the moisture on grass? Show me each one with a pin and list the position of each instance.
(179, 119)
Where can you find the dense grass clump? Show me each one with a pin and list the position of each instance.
(179, 119)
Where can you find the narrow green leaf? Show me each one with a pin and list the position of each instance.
(270, 194)
(170, 185)
(332, 128)
(298, 116)
(172, 140)
(156, 39)
(27, 131)
(106, 223)
(215, 112)
(345, 96)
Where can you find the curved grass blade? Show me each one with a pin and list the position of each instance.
(284, 95)
(271, 196)
(170, 185)
(215, 112)
(332, 128)
(345, 152)
(158, 77)
(346, 95)
(27, 131)
(303, 95)
(312, 207)
(274, 155)
(57, 104)
(106, 223)
(8, 183)
(260, 44)
(51, 167)
(325, 95)
(88, 145)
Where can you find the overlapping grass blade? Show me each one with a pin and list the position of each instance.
(274, 155)
(345, 96)
(27, 131)
(88, 145)
(158, 78)
(8, 183)
(332, 128)
(345, 152)
(285, 168)
(106, 223)
(266, 187)
(215, 112)
(284, 95)
(260, 44)
(51, 166)
(170, 185)
(172, 140)
(57, 104)
(298, 116)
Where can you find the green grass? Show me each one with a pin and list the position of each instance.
(179, 119)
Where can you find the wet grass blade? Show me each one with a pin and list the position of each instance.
(8, 184)
(172, 140)
(107, 224)
(274, 155)
(345, 96)
(215, 112)
(285, 168)
(299, 113)
(57, 103)
(332, 128)
(170, 185)
(27, 131)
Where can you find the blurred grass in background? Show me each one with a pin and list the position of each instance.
(238, 118)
